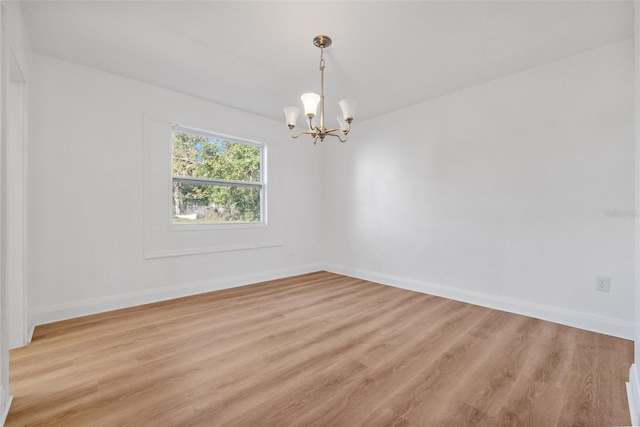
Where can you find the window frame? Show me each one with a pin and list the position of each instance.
(261, 185)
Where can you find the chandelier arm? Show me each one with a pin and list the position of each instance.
(304, 132)
(333, 130)
(337, 135)
(344, 131)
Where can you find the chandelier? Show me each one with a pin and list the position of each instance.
(311, 101)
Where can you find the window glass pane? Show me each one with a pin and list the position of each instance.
(208, 157)
(209, 203)
(201, 157)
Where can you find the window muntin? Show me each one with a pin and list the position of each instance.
(215, 179)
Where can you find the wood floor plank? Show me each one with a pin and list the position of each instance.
(317, 350)
(392, 370)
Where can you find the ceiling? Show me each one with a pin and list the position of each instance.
(259, 56)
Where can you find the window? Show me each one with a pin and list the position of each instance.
(234, 226)
(215, 179)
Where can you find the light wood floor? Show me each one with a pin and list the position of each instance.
(317, 350)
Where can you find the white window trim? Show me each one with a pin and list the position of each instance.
(162, 239)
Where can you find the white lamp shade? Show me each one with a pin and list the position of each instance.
(310, 101)
(291, 113)
(348, 107)
(342, 123)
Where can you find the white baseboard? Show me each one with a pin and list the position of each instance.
(57, 312)
(633, 394)
(591, 322)
(582, 320)
(32, 329)
(5, 413)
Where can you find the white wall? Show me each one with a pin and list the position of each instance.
(499, 194)
(86, 196)
(15, 207)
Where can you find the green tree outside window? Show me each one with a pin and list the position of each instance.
(215, 180)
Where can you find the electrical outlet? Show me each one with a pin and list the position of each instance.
(603, 283)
